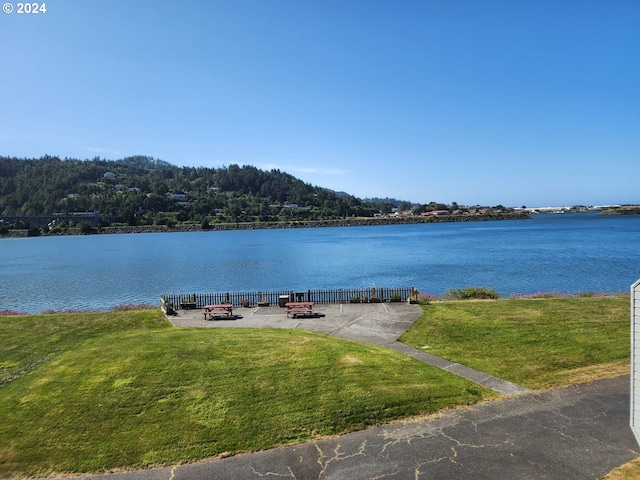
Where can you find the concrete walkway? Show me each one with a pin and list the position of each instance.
(376, 323)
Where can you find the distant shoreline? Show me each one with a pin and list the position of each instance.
(348, 222)
(626, 210)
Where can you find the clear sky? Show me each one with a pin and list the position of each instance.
(512, 102)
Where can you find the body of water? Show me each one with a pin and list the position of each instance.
(568, 253)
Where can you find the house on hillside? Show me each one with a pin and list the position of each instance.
(178, 196)
(479, 211)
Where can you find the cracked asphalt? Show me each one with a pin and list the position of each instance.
(577, 432)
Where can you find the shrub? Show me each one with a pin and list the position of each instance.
(542, 295)
(85, 228)
(425, 298)
(472, 293)
(130, 306)
(50, 311)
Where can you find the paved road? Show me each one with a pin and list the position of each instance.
(579, 432)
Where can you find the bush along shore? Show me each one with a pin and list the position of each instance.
(192, 227)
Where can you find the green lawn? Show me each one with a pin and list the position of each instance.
(100, 391)
(119, 390)
(537, 343)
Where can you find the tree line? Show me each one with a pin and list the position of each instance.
(141, 190)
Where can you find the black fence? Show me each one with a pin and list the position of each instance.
(341, 295)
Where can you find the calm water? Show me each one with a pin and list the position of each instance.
(564, 253)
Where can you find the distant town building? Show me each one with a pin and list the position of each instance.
(435, 213)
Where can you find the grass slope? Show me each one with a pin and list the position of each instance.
(120, 390)
(537, 343)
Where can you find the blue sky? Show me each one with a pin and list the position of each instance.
(491, 102)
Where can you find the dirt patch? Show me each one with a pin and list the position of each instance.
(628, 471)
(594, 372)
(350, 359)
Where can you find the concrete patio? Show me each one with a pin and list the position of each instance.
(378, 323)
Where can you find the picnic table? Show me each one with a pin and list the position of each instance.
(219, 310)
(299, 308)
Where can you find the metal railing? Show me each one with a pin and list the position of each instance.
(273, 297)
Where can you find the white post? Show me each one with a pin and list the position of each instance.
(635, 360)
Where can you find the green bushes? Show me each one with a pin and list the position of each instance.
(472, 293)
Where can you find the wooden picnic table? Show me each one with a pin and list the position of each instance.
(299, 308)
(222, 309)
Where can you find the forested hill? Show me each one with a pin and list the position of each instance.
(143, 191)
